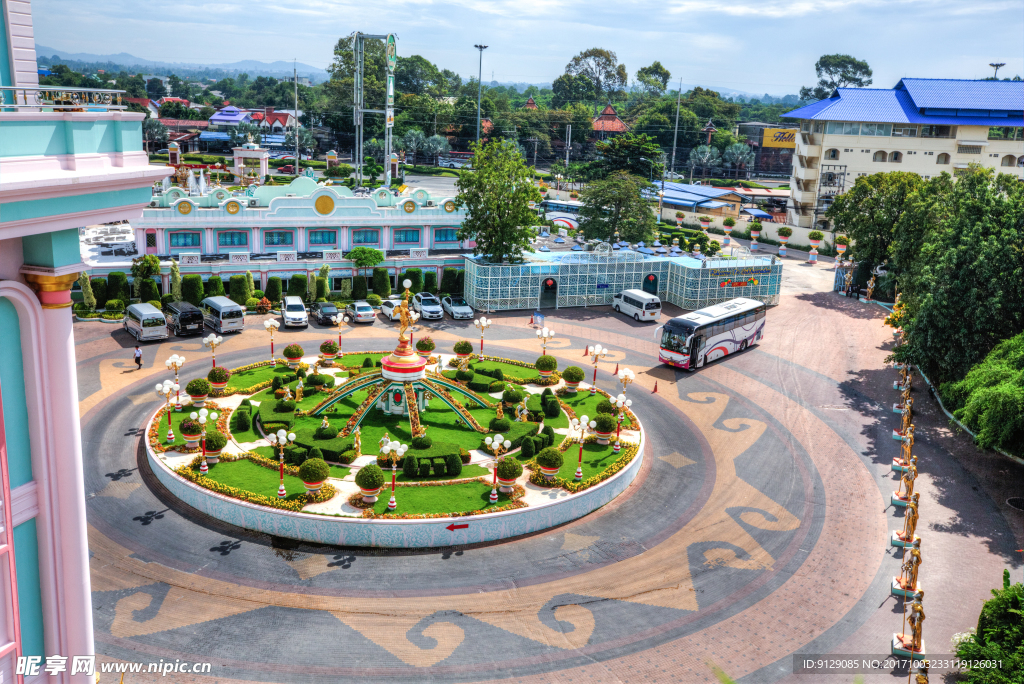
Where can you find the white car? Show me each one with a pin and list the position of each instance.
(294, 313)
(456, 307)
(454, 164)
(389, 308)
(427, 305)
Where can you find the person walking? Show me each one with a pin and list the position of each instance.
(138, 357)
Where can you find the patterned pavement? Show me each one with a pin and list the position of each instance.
(756, 529)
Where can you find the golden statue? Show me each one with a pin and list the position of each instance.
(871, 287)
(849, 279)
(908, 571)
(406, 317)
(522, 413)
(357, 443)
(905, 456)
(922, 671)
(248, 136)
(500, 413)
(298, 391)
(909, 521)
(287, 394)
(908, 480)
(916, 620)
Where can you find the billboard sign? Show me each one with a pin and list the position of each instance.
(779, 137)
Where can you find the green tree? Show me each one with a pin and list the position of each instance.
(636, 153)
(601, 67)
(435, 145)
(192, 288)
(175, 281)
(143, 267)
(653, 79)
(616, 204)
(381, 283)
(214, 287)
(837, 71)
(495, 195)
(155, 89)
(307, 143)
(413, 140)
(240, 134)
(250, 286)
(372, 169)
(416, 75)
(869, 211)
(87, 295)
(738, 157)
(570, 89)
(705, 158)
(998, 637)
(237, 289)
(363, 258)
(154, 132)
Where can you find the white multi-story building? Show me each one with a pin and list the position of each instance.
(925, 126)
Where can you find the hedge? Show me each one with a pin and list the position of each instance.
(114, 305)
(214, 287)
(117, 286)
(381, 283)
(460, 282)
(321, 289)
(297, 286)
(359, 287)
(415, 276)
(238, 287)
(430, 282)
(273, 292)
(99, 289)
(192, 289)
(148, 290)
(449, 280)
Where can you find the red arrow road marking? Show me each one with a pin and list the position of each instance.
(454, 527)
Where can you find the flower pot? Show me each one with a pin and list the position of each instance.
(198, 399)
(679, 222)
(219, 386)
(572, 386)
(755, 234)
(815, 243)
(213, 456)
(548, 473)
(603, 437)
(313, 487)
(505, 486)
(191, 441)
(544, 373)
(841, 249)
(782, 248)
(294, 363)
(370, 495)
(707, 224)
(463, 356)
(329, 358)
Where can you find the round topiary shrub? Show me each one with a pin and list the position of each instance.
(496, 386)
(815, 235)
(528, 449)
(784, 231)
(500, 425)
(114, 305)
(605, 406)
(198, 388)
(464, 375)
(300, 374)
(423, 442)
(509, 469)
(729, 221)
(842, 240)
(453, 465)
(314, 470)
(410, 466)
(425, 344)
(370, 476)
(463, 347)
(218, 374)
(552, 408)
(293, 351)
(573, 374)
(329, 432)
(277, 383)
(316, 453)
(550, 457)
(512, 395)
(215, 441)
(367, 362)
(605, 422)
(373, 300)
(329, 347)
(252, 303)
(243, 421)
(156, 303)
(284, 406)
(546, 363)
(190, 427)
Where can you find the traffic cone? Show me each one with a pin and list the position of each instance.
(655, 390)
(616, 369)
(531, 319)
(585, 352)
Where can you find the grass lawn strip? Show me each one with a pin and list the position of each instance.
(243, 436)
(245, 474)
(176, 420)
(596, 459)
(509, 369)
(460, 498)
(253, 377)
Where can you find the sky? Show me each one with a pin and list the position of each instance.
(755, 46)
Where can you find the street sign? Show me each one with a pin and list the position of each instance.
(391, 117)
(391, 51)
(391, 90)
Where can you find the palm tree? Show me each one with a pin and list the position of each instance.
(154, 131)
(738, 155)
(435, 145)
(240, 134)
(705, 157)
(374, 148)
(413, 140)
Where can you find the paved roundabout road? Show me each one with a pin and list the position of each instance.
(755, 529)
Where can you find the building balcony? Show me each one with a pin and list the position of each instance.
(803, 172)
(803, 196)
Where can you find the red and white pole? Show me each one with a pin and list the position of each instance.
(579, 468)
(593, 385)
(177, 402)
(281, 493)
(170, 430)
(618, 429)
(392, 505)
(203, 468)
(481, 343)
(494, 485)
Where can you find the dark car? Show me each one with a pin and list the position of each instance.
(287, 168)
(323, 312)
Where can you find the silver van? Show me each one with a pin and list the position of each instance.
(145, 322)
(222, 314)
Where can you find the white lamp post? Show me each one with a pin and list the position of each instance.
(394, 451)
(621, 403)
(281, 439)
(202, 417)
(271, 326)
(213, 341)
(545, 335)
(481, 325)
(498, 445)
(175, 363)
(165, 389)
(597, 352)
(581, 424)
(339, 320)
(626, 377)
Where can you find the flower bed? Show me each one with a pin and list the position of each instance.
(628, 453)
(191, 473)
(515, 501)
(158, 428)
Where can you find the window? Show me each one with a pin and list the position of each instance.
(938, 131)
(323, 237)
(895, 157)
(153, 322)
(1009, 160)
(445, 235)
(232, 239)
(876, 129)
(968, 149)
(942, 159)
(1004, 133)
(879, 156)
(408, 235)
(150, 239)
(278, 238)
(843, 128)
(832, 154)
(184, 239)
(903, 131)
(338, 283)
(1020, 162)
(365, 237)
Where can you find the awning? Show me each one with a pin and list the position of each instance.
(208, 135)
(712, 205)
(757, 213)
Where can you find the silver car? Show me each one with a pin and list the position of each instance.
(456, 307)
(427, 305)
(361, 312)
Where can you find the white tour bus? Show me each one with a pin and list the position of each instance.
(222, 314)
(699, 337)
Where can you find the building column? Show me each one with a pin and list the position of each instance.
(255, 245)
(300, 239)
(209, 247)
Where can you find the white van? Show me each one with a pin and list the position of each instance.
(222, 314)
(145, 322)
(642, 306)
(293, 311)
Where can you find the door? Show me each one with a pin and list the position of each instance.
(651, 284)
(695, 345)
(548, 293)
(151, 241)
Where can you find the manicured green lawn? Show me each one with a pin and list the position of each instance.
(245, 474)
(240, 436)
(271, 453)
(468, 470)
(583, 404)
(520, 372)
(176, 419)
(471, 496)
(339, 471)
(255, 376)
(596, 459)
(356, 360)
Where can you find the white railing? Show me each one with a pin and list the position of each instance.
(238, 257)
(189, 258)
(59, 98)
(333, 255)
(288, 256)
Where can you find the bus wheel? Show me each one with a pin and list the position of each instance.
(743, 345)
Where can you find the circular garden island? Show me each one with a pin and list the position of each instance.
(403, 448)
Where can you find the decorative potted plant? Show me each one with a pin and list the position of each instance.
(314, 472)
(218, 377)
(679, 218)
(191, 431)
(293, 353)
(755, 232)
(842, 243)
(550, 460)
(509, 470)
(425, 344)
(463, 348)
(264, 306)
(604, 426)
(370, 479)
(198, 390)
(815, 237)
(784, 233)
(215, 441)
(545, 365)
(573, 376)
(329, 349)
(705, 223)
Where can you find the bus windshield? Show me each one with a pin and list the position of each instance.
(674, 341)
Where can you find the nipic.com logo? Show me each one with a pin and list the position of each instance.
(31, 666)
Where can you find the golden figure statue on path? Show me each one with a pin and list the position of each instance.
(522, 413)
(910, 521)
(916, 620)
(325, 423)
(357, 444)
(407, 317)
(908, 571)
(298, 391)
(907, 482)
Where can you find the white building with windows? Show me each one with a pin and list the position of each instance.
(925, 126)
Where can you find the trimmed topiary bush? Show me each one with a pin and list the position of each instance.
(166, 299)
(528, 449)
(314, 470)
(605, 422)
(273, 292)
(284, 406)
(549, 432)
(198, 387)
(329, 432)
(415, 276)
(552, 409)
(295, 455)
(509, 469)
(155, 303)
(370, 476)
(117, 286)
(573, 374)
(381, 283)
(218, 374)
(297, 286)
(148, 290)
(478, 385)
(215, 441)
(453, 463)
(496, 386)
(512, 395)
(546, 363)
(464, 375)
(423, 442)
(424, 469)
(367, 362)
(425, 344)
(463, 347)
(99, 289)
(373, 299)
(252, 303)
(192, 289)
(214, 287)
(238, 289)
(277, 383)
(430, 282)
(293, 351)
(500, 425)
(410, 466)
(315, 452)
(449, 281)
(321, 289)
(359, 287)
(605, 406)
(550, 457)
(243, 421)
(114, 305)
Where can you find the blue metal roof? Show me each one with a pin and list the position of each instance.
(757, 213)
(947, 93)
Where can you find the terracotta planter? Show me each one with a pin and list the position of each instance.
(370, 495)
(572, 386)
(603, 437)
(506, 485)
(548, 473)
(213, 456)
(293, 363)
(198, 399)
(313, 487)
(191, 441)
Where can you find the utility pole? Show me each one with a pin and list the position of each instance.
(568, 145)
(298, 159)
(675, 136)
(479, 89)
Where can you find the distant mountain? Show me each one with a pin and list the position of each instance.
(251, 66)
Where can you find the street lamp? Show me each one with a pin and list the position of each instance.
(175, 363)
(202, 417)
(213, 341)
(479, 89)
(165, 389)
(544, 336)
(597, 352)
(339, 320)
(626, 377)
(271, 325)
(393, 451)
(482, 324)
(558, 181)
(581, 424)
(621, 402)
(661, 199)
(497, 447)
(281, 439)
